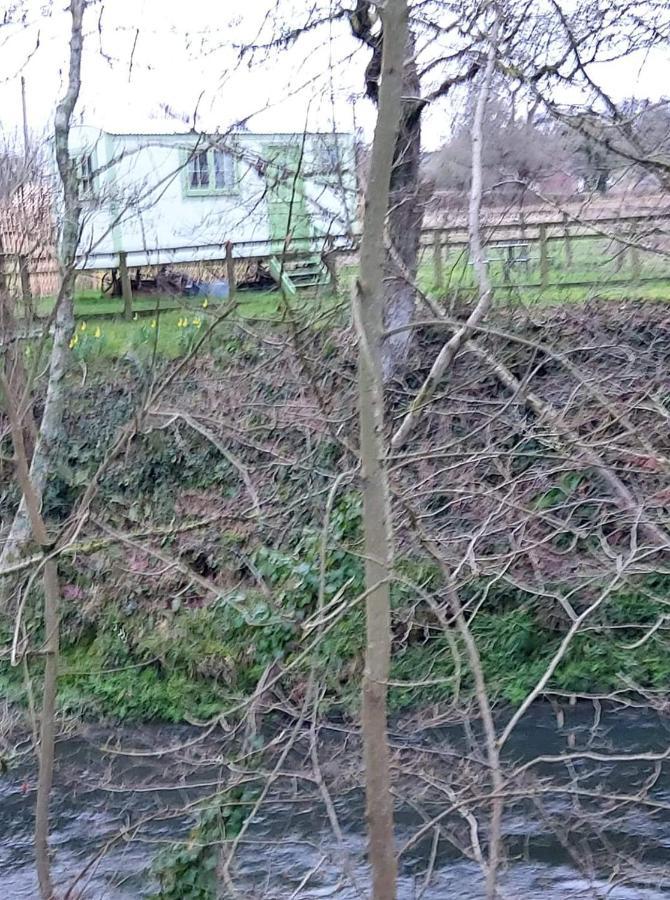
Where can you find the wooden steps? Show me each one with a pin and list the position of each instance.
(299, 274)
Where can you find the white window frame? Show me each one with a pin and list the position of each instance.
(223, 165)
(84, 166)
(218, 177)
(197, 172)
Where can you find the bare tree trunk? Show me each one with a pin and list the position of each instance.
(50, 645)
(32, 479)
(378, 538)
(404, 219)
(405, 212)
(443, 361)
(490, 738)
(52, 417)
(450, 350)
(51, 426)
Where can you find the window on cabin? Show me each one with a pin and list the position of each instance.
(211, 171)
(198, 171)
(327, 156)
(84, 173)
(224, 170)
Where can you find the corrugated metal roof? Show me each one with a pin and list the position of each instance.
(162, 131)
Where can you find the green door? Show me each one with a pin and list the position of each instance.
(287, 206)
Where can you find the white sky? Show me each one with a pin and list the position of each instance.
(184, 56)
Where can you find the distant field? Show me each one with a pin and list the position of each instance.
(581, 269)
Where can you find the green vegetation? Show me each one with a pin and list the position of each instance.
(93, 304)
(187, 871)
(168, 334)
(138, 645)
(195, 663)
(166, 326)
(133, 659)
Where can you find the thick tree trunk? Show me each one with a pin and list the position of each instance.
(50, 429)
(404, 220)
(52, 417)
(377, 528)
(453, 346)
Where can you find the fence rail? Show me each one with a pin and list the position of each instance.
(566, 252)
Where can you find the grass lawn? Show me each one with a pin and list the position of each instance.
(556, 293)
(93, 304)
(169, 325)
(603, 270)
(114, 337)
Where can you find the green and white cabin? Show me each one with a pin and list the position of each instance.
(179, 198)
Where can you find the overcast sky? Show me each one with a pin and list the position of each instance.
(151, 63)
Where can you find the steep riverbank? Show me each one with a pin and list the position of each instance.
(232, 515)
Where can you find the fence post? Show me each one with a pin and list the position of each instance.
(438, 267)
(329, 260)
(24, 278)
(230, 270)
(635, 266)
(126, 289)
(544, 257)
(568, 242)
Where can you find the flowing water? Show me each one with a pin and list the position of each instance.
(291, 852)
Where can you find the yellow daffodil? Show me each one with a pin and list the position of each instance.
(97, 332)
(205, 303)
(74, 340)
(82, 327)
(153, 323)
(196, 322)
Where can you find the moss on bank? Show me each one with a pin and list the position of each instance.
(192, 664)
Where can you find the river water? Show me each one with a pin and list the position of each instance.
(290, 852)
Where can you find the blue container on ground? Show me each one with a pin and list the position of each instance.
(218, 290)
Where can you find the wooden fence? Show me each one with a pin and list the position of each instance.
(567, 243)
(28, 264)
(32, 270)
